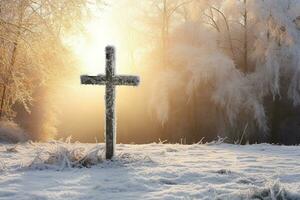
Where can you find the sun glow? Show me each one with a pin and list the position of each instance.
(108, 27)
(89, 48)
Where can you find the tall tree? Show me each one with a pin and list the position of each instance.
(31, 45)
(242, 67)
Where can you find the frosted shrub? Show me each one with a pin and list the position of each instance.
(66, 155)
(10, 132)
(273, 192)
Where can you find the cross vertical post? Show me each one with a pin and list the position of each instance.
(110, 94)
(110, 80)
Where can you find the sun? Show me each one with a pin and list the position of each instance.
(101, 31)
(110, 27)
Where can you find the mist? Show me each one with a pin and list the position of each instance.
(207, 69)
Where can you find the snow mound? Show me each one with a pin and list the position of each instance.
(10, 132)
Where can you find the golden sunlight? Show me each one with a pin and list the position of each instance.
(105, 28)
(100, 32)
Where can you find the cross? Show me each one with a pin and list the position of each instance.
(110, 80)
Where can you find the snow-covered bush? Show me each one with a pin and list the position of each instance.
(273, 191)
(60, 155)
(11, 132)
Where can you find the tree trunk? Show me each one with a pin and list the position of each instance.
(2, 101)
(164, 33)
(5, 85)
(11, 63)
(275, 120)
(245, 38)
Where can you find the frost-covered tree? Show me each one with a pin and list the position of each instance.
(30, 35)
(32, 51)
(245, 52)
(153, 22)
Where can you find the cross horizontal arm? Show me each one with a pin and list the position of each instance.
(93, 80)
(126, 80)
(116, 80)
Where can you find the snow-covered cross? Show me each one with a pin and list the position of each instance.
(110, 80)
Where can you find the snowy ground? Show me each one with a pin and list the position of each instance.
(155, 171)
